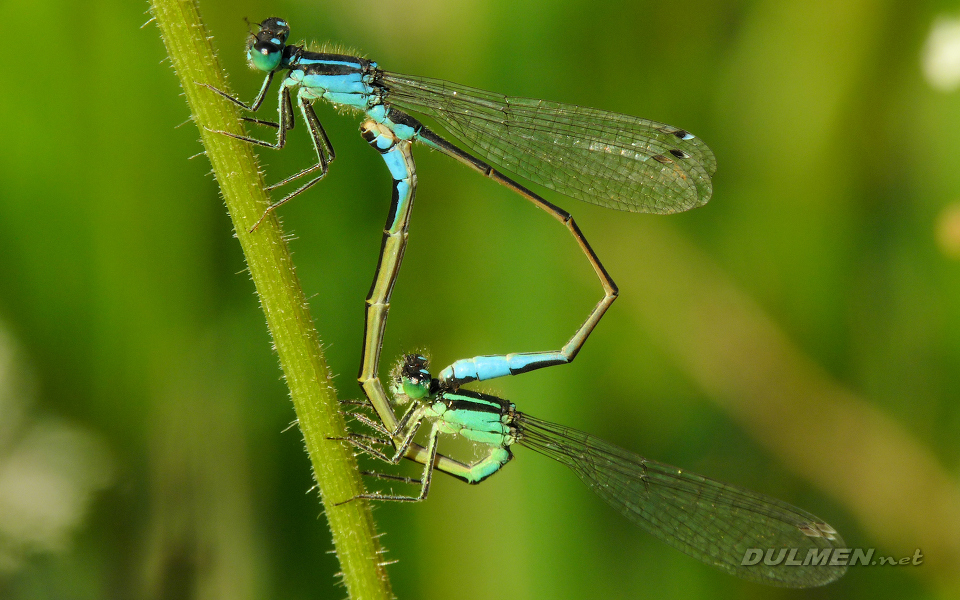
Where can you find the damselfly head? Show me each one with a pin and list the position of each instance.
(411, 378)
(265, 47)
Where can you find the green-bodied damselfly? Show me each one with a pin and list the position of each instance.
(718, 523)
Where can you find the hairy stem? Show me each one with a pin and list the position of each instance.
(271, 268)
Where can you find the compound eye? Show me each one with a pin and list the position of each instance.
(264, 58)
(416, 389)
(414, 377)
(265, 48)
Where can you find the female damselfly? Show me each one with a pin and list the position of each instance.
(718, 523)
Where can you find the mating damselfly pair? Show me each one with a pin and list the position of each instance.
(600, 157)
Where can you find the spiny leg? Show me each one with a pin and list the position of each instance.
(288, 110)
(389, 477)
(285, 117)
(399, 433)
(361, 403)
(321, 143)
(382, 436)
(472, 473)
(369, 440)
(365, 420)
(481, 368)
(286, 122)
(325, 155)
(401, 437)
(260, 122)
(253, 106)
(425, 480)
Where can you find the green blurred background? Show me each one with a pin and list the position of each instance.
(799, 335)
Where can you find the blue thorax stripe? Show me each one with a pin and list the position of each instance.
(326, 64)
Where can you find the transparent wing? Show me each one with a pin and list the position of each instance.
(711, 521)
(600, 157)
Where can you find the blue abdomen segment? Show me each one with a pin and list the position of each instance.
(481, 368)
(398, 167)
(403, 125)
(380, 137)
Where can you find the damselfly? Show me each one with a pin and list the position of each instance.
(718, 523)
(600, 157)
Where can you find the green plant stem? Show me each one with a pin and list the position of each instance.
(271, 268)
